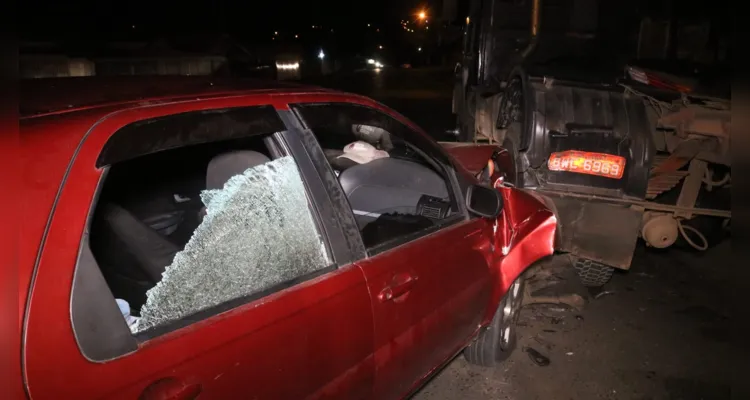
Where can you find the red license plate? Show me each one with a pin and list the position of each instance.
(582, 162)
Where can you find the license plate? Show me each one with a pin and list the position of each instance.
(582, 162)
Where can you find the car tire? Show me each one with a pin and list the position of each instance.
(592, 273)
(496, 342)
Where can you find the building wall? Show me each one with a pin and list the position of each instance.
(160, 66)
(41, 66)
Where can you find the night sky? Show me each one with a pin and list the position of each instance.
(83, 28)
(138, 18)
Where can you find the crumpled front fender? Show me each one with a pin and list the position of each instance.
(524, 233)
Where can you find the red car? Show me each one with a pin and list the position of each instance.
(188, 238)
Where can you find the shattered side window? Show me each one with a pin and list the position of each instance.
(258, 232)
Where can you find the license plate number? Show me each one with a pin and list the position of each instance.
(582, 162)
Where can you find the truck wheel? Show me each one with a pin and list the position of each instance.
(497, 341)
(592, 273)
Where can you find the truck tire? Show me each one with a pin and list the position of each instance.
(592, 273)
(496, 342)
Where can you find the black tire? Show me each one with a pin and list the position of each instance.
(592, 273)
(491, 348)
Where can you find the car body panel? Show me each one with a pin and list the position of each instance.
(525, 233)
(67, 143)
(473, 157)
(417, 331)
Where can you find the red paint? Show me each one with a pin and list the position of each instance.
(444, 305)
(331, 337)
(472, 156)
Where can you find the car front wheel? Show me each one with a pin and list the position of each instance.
(497, 341)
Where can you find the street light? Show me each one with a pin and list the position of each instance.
(419, 49)
(321, 55)
(422, 15)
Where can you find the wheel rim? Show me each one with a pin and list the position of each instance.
(509, 312)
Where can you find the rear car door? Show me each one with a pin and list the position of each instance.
(426, 261)
(300, 328)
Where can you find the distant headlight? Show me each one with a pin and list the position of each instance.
(287, 66)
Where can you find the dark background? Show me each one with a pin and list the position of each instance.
(337, 26)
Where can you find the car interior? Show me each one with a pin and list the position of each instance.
(390, 196)
(149, 207)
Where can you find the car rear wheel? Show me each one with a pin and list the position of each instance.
(497, 341)
(592, 273)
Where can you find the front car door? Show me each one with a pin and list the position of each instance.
(301, 328)
(427, 261)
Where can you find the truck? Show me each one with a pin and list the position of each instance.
(616, 114)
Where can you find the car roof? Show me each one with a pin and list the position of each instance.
(40, 97)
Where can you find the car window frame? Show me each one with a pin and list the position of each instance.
(445, 167)
(94, 349)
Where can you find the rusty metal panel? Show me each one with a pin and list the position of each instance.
(606, 233)
(698, 120)
(691, 187)
(662, 182)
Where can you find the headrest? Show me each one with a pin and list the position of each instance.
(227, 165)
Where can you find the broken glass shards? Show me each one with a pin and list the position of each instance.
(258, 232)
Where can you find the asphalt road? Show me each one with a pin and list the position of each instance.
(659, 331)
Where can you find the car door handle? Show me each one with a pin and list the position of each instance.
(171, 389)
(400, 286)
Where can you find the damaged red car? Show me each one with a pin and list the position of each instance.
(186, 237)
